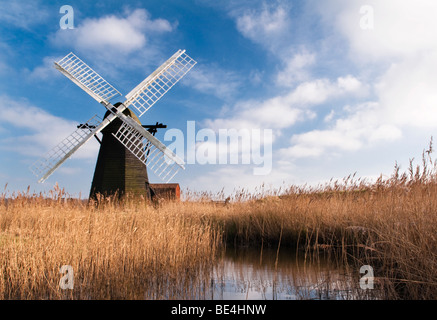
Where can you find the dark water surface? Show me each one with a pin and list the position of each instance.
(245, 274)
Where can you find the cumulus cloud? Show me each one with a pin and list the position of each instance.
(23, 14)
(401, 27)
(210, 79)
(114, 44)
(283, 111)
(294, 68)
(278, 113)
(272, 27)
(45, 71)
(407, 92)
(264, 26)
(400, 51)
(35, 130)
(118, 34)
(359, 127)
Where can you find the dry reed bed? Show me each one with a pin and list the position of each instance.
(132, 250)
(390, 225)
(127, 251)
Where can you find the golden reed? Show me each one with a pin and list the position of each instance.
(132, 250)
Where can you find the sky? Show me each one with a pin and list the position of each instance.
(323, 89)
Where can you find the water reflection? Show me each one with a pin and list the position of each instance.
(246, 274)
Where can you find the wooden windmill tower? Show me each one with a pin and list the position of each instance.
(127, 149)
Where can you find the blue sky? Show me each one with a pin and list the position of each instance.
(345, 86)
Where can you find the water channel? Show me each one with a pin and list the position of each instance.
(246, 274)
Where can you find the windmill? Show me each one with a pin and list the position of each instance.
(121, 129)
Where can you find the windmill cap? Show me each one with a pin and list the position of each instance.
(114, 125)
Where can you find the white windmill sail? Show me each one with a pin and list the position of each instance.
(45, 166)
(132, 135)
(149, 150)
(86, 78)
(151, 89)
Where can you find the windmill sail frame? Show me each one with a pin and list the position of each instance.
(132, 135)
(151, 89)
(148, 149)
(45, 166)
(86, 78)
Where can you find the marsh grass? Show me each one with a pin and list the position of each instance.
(117, 250)
(134, 250)
(389, 224)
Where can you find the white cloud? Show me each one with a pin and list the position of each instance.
(407, 92)
(295, 69)
(264, 26)
(329, 116)
(320, 90)
(401, 27)
(122, 35)
(23, 14)
(349, 84)
(44, 71)
(402, 46)
(283, 111)
(35, 131)
(114, 45)
(272, 27)
(210, 79)
(398, 57)
(271, 113)
(362, 127)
